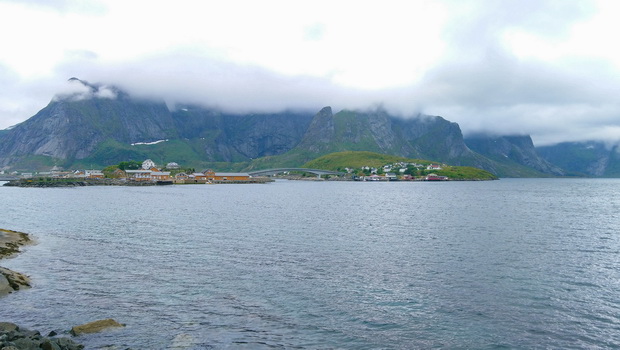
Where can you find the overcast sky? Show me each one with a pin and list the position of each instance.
(545, 68)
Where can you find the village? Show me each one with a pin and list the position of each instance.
(398, 171)
(148, 173)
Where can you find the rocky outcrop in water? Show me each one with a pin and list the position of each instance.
(95, 326)
(11, 281)
(13, 337)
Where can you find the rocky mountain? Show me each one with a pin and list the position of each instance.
(590, 158)
(72, 127)
(515, 153)
(220, 137)
(422, 136)
(101, 125)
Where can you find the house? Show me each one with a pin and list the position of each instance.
(139, 175)
(232, 177)
(198, 176)
(181, 176)
(435, 177)
(210, 174)
(375, 177)
(148, 164)
(213, 176)
(433, 167)
(160, 175)
(93, 174)
(173, 165)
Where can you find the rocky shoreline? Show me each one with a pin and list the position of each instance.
(10, 242)
(13, 337)
(44, 182)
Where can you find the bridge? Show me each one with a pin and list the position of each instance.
(270, 172)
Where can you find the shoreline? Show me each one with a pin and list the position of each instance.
(10, 242)
(13, 336)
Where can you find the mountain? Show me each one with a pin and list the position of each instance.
(220, 137)
(513, 155)
(423, 136)
(89, 129)
(100, 125)
(72, 127)
(589, 158)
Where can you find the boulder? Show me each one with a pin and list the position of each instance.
(6, 327)
(5, 286)
(15, 280)
(13, 337)
(95, 326)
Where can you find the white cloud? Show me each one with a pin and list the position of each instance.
(544, 67)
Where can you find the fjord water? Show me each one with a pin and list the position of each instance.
(514, 263)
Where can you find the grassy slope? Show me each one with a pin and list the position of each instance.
(341, 160)
(353, 159)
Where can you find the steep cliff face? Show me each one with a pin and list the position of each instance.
(320, 134)
(434, 138)
(590, 158)
(236, 137)
(71, 127)
(426, 137)
(512, 150)
(69, 130)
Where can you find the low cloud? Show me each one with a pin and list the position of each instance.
(77, 90)
(199, 80)
(501, 67)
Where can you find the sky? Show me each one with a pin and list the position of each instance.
(547, 68)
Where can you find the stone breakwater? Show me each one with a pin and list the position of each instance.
(13, 337)
(51, 182)
(10, 241)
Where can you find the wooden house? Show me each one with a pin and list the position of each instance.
(139, 175)
(160, 175)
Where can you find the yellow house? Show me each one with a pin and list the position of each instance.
(213, 176)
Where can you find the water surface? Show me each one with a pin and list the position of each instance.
(515, 263)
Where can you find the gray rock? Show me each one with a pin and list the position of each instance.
(6, 327)
(14, 337)
(5, 286)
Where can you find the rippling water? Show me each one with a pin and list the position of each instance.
(515, 263)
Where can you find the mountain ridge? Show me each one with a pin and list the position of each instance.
(102, 125)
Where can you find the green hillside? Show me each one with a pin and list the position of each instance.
(356, 160)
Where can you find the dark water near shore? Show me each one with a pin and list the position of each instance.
(509, 264)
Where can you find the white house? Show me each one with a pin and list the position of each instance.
(148, 164)
(172, 165)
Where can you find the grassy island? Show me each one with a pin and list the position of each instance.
(369, 163)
